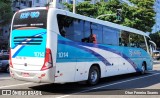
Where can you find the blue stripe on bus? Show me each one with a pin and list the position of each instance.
(101, 58)
(16, 53)
(76, 44)
(113, 51)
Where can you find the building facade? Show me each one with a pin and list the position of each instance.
(21, 4)
(4, 36)
(18, 5)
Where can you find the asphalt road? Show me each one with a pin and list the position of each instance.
(128, 86)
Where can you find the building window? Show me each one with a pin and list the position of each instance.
(37, 1)
(60, 1)
(30, 3)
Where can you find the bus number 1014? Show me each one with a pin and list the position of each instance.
(62, 54)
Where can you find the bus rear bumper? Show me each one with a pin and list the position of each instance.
(46, 76)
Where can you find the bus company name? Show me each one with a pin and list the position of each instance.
(26, 15)
(135, 53)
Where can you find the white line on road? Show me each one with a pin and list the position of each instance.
(5, 78)
(107, 85)
(2, 87)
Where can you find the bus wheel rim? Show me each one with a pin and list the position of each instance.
(94, 76)
(143, 69)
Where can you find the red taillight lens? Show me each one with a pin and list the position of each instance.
(10, 59)
(48, 60)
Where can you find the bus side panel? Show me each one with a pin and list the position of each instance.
(117, 64)
(113, 60)
(65, 72)
(76, 57)
(149, 64)
(137, 56)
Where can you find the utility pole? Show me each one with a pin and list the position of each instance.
(119, 14)
(74, 6)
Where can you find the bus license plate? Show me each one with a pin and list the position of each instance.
(25, 74)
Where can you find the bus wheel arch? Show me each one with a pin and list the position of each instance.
(94, 74)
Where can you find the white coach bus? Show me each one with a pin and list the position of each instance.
(56, 46)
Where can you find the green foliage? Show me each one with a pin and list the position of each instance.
(6, 12)
(140, 16)
(109, 7)
(86, 9)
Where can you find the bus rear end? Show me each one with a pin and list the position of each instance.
(30, 59)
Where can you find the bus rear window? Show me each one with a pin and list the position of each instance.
(31, 18)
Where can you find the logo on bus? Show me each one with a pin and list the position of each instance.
(26, 15)
(135, 53)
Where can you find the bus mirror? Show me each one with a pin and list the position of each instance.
(153, 44)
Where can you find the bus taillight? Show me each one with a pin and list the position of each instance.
(10, 59)
(48, 60)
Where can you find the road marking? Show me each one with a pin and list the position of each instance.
(152, 72)
(2, 87)
(107, 85)
(6, 78)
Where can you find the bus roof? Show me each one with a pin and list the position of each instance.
(33, 8)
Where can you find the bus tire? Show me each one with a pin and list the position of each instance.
(143, 68)
(94, 75)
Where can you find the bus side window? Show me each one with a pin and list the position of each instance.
(142, 43)
(124, 38)
(90, 39)
(63, 32)
(85, 40)
(133, 39)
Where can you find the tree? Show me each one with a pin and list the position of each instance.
(109, 7)
(140, 16)
(84, 8)
(6, 12)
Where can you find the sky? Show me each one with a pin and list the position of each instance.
(156, 27)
